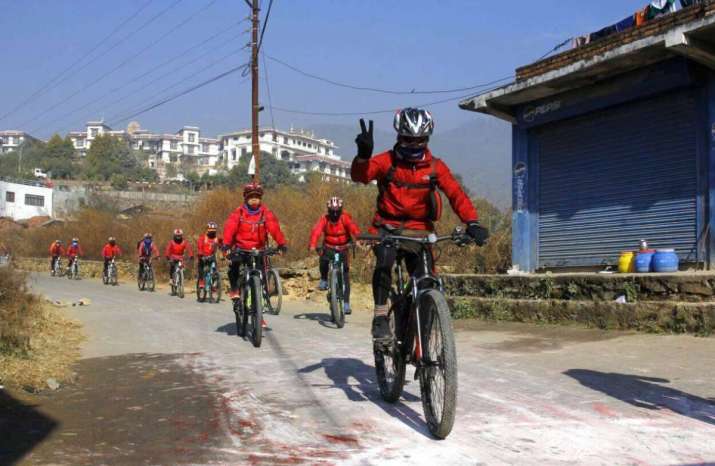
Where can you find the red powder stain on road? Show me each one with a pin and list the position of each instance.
(604, 410)
(341, 438)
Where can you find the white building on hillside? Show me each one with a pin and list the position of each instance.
(82, 140)
(302, 151)
(23, 200)
(11, 140)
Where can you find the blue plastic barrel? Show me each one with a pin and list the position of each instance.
(665, 261)
(644, 260)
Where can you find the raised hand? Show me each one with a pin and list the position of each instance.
(364, 141)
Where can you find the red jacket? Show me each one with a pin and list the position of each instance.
(56, 250)
(335, 234)
(408, 206)
(154, 252)
(206, 246)
(74, 251)
(248, 231)
(175, 251)
(109, 251)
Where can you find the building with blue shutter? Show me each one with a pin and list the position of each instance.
(614, 142)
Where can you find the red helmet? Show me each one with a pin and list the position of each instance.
(252, 189)
(178, 232)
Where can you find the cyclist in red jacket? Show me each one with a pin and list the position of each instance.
(56, 251)
(73, 252)
(408, 177)
(146, 250)
(206, 246)
(176, 250)
(248, 227)
(110, 251)
(338, 229)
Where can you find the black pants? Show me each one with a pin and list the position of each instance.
(326, 258)
(142, 260)
(238, 261)
(172, 267)
(385, 261)
(106, 265)
(204, 263)
(52, 262)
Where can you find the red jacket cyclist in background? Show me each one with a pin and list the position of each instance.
(248, 227)
(338, 230)
(176, 250)
(408, 177)
(206, 246)
(74, 251)
(56, 251)
(110, 251)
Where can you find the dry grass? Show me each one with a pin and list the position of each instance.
(297, 207)
(36, 341)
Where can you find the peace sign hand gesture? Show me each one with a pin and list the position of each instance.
(364, 141)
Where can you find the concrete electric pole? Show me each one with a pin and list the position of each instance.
(255, 106)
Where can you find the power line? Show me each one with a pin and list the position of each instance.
(185, 79)
(47, 86)
(376, 112)
(263, 29)
(183, 93)
(556, 47)
(268, 91)
(383, 91)
(138, 77)
(131, 57)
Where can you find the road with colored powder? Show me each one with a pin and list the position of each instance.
(167, 381)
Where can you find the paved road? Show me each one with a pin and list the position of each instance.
(166, 381)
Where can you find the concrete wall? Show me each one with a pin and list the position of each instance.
(19, 209)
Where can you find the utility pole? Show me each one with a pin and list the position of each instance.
(19, 160)
(255, 106)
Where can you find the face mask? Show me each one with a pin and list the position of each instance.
(333, 215)
(147, 243)
(112, 243)
(411, 153)
(211, 234)
(178, 239)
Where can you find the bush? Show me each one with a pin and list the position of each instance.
(119, 181)
(18, 310)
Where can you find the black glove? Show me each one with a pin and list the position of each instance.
(364, 141)
(478, 233)
(283, 249)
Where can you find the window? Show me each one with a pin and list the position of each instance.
(192, 137)
(191, 149)
(93, 132)
(174, 145)
(275, 137)
(233, 154)
(10, 140)
(244, 151)
(204, 147)
(31, 199)
(9, 196)
(80, 142)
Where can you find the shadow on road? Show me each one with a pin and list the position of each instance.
(647, 393)
(325, 320)
(341, 370)
(228, 329)
(22, 427)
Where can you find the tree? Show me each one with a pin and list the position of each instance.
(109, 155)
(171, 171)
(57, 157)
(273, 172)
(119, 181)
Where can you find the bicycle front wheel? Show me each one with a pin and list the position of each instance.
(256, 311)
(215, 291)
(438, 377)
(180, 285)
(336, 305)
(274, 291)
(151, 283)
(390, 365)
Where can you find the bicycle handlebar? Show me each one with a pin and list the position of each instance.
(429, 239)
(255, 252)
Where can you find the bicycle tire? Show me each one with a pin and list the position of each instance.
(439, 400)
(113, 277)
(336, 310)
(256, 311)
(141, 279)
(276, 303)
(180, 285)
(150, 279)
(390, 367)
(216, 289)
(239, 312)
(201, 292)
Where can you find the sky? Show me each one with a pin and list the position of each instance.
(162, 47)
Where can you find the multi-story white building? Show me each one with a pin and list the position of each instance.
(11, 140)
(185, 150)
(22, 200)
(303, 152)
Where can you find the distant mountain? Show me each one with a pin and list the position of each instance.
(480, 151)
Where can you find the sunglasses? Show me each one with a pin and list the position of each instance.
(413, 141)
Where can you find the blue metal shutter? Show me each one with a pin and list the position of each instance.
(610, 178)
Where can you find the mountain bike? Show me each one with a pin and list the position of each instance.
(110, 277)
(212, 284)
(422, 335)
(73, 269)
(177, 280)
(249, 308)
(336, 284)
(57, 270)
(145, 279)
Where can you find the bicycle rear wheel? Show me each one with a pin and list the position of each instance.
(201, 292)
(438, 377)
(256, 311)
(390, 365)
(275, 291)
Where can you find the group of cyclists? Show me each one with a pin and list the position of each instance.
(408, 177)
